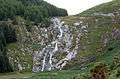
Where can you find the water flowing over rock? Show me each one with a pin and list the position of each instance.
(55, 41)
(116, 34)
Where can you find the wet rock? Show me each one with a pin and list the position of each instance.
(116, 34)
(59, 42)
(76, 24)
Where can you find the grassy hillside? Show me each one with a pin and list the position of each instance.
(99, 55)
(105, 8)
(102, 40)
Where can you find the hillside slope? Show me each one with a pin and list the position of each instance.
(105, 8)
(84, 46)
(98, 55)
(17, 18)
(98, 40)
(102, 39)
(99, 52)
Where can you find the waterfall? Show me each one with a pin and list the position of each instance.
(58, 24)
(43, 66)
(63, 62)
(56, 47)
(50, 61)
(61, 32)
(54, 43)
(70, 55)
(59, 42)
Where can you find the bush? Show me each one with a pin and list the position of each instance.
(99, 72)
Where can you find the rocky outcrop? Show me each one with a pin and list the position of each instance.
(46, 48)
(60, 44)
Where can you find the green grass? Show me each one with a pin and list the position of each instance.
(96, 31)
(64, 74)
(109, 7)
(15, 75)
(106, 56)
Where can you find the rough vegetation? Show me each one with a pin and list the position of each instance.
(96, 32)
(16, 20)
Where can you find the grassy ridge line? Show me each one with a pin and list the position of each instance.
(104, 8)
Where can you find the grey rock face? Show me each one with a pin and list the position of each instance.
(55, 41)
(116, 34)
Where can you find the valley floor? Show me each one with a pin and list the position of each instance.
(65, 74)
(15, 75)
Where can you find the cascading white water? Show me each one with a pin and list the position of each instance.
(50, 61)
(53, 45)
(51, 55)
(56, 47)
(60, 42)
(43, 66)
